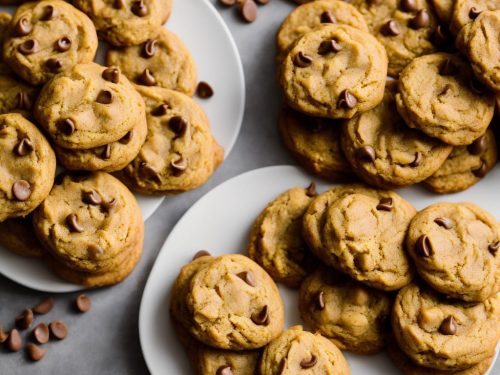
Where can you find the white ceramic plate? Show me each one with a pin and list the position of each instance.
(220, 223)
(219, 64)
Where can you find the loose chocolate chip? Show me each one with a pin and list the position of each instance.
(73, 224)
(421, 20)
(478, 146)
(106, 152)
(311, 190)
(108, 206)
(21, 189)
(423, 247)
(201, 253)
(302, 60)
(34, 352)
(474, 13)
(328, 46)
(54, 65)
(480, 171)
(448, 68)
(147, 78)
(147, 172)
(3, 335)
(23, 27)
(224, 370)
(104, 97)
(476, 86)
(320, 300)
(178, 125)
(125, 140)
(448, 326)
(41, 333)
(248, 10)
(227, 2)
(391, 28)
(204, 90)
(493, 247)
(25, 319)
(48, 13)
(409, 6)
(347, 100)
(91, 197)
(24, 147)
(111, 75)
(308, 363)
(418, 159)
(44, 306)
(247, 277)
(385, 204)
(83, 303)
(58, 329)
(327, 17)
(444, 222)
(139, 8)
(28, 47)
(440, 36)
(179, 165)
(149, 48)
(366, 153)
(94, 251)
(161, 110)
(23, 101)
(63, 44)
(262, 317)
(14, 341)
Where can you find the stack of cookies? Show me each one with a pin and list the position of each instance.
(428, 122)
(134, 118)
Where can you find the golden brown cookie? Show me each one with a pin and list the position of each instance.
(466, 11)
(18, 236)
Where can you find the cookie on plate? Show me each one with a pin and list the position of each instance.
(385, 152)
(465, 166)
(162, 61)
(335, 71)
(466, 11)
(353, 316)
(37, 55)
(17, 235)
(437, 95)
(436, 233)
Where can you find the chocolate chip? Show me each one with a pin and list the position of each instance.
(444, 222)
(423, 247)
(448, 68)
(94, 251)
(44, 306)
(418, 159)
(14, 341)
(308, 363)
(320, 300)
(476, 86)
(108, 206)
(63, 44)
(448, 326)
(480, 171)
(201, 253)
(179, 165)
(149, 48)
(366, 153)
(227, 2)
(248, 10)
(302, 60)
(421, 20)
(204, 90)
(440, 36)
(28, 47)
(111, 75)
(23, 101)
(66, 126)
(21, 189)
(385, 204)
(478, 146)
(247, 277)
(3, 335)
(262, 317)
(474, 13)
(73, 224)
(147, 172)
(224, 370)
(347, 100)
(139, 8)
(104, 97)
(409, 6)
(161, 110)
(54, 65)
(23, 27)
(58, 329)
(125, 140)
(91, 197)
(41, 333)
(328, 46)
(24, 147)
(48, 13)
(178, 125)
(83, 303)
(311, 190)
(493, 247)
(147, 78)
(25, 319)
(106, 152)
(391, 28)
(118, 4)
(327, 17)
(34, 352)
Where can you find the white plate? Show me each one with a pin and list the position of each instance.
(220, 223)
(219, 64)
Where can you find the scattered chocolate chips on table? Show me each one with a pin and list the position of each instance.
(247, 8)
(83, 303)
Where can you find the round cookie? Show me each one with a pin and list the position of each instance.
(405, 28)
(466, 11)
(18, 236)
(161, 61)
(27, 166)
(436, 96)
(180, 152)
(386, 153)
(307, 17)
(315, 143)
(465, 166)
(276, 242)
(233, 304)
(353, 316)
(335, 71)
(37, 55)
(445, 334)
(444, 9)
(89, 106)
(297, 351)
(15, 95)
(435, 234)
(126, 22)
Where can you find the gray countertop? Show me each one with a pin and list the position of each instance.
(106, 339)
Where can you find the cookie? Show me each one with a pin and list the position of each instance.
(89, 106)
(335, 71)
(18, 236)
(436, 233)
(445, 334)
(180, 152)
(315, 143)
(276, 242)
(444, 9)
(405, 29)
(386, 153)
(466, 11)
(15, 95)
(37, 55)
(297, 351)
(126, 22)
(233, 304)
(162, 61)
(436, 96)
(27, 165)
(353, 316)
(465, 166)
(361, 232)
(210, 361)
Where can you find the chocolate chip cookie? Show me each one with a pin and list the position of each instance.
(15, 95)
(27, 165)
(162, 61)
(436, 233)
(385, 152)
(465, 166)
(466, 11)
(18, 236)
(353, 316)
(210, 361)
(335, 71)
(37, 55)
(437, 95)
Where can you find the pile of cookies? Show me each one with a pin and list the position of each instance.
(344, 119)
(135, 118)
